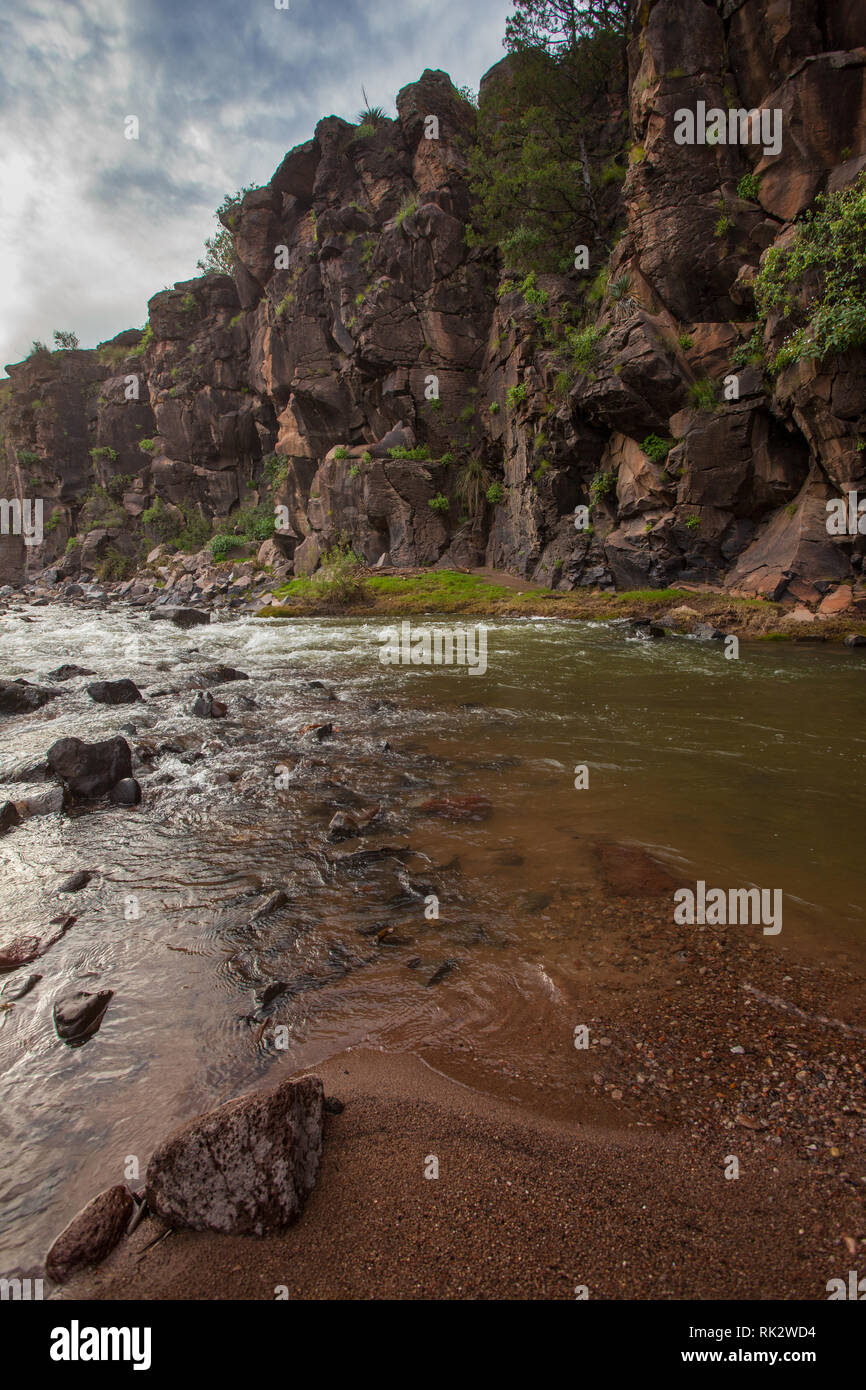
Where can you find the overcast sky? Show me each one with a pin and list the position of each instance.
(92, 224)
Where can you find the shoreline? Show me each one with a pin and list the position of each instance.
(431, 593)
(618, 1182)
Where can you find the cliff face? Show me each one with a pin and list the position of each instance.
(357, 297)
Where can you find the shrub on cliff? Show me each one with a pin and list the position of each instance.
(818, 282)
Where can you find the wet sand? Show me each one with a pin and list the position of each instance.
(525, 1207)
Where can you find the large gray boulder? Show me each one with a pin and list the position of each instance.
(245, 1168)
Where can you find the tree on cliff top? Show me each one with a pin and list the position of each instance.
(220, 248)
(531, 169)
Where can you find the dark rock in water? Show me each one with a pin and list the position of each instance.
(218, 675)
(414, 963)
(91, 1235)
(9, 817)
(272, 992)
(126, 793)
(131, 729)
(276, 900)
(181, 617)
(316, 733)
(19, 952)
(16, 989)
(78, 1015)
(20, 697)
(123, 692)
(705, 632)
(854, 639)
(246, 702)
(334, 1106)
(76, 882)
(345, 826)
(206, 707)
(90, 769)
(245, 1168)
(68, 673)
(444, 969)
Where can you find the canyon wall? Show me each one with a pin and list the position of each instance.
(357, 298)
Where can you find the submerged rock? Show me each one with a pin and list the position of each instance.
(78, 1015)
(9, 817)
(76, 882)
(19, 952)
(245, 1168)
(68, 672)
(91, 1235)
(16, 989)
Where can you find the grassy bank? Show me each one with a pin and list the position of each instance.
(439, 593)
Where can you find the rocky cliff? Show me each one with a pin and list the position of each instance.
(363, 354)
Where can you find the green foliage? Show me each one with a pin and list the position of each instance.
(749, 187)
(538, 473)
(495, 407)
(275, 469)
(407, 207)
(246, 527)
(354, 470)
(101, 509)
(702, 394)
(65, 342)
(419, 454)
(471, 484)
(114, 565)
(723, 226)
(583, 346)
(685, 342)
(220, 248)
(144, 341)
(71, 544)
(601, 485)
(103, 454)
(693, 523)
(147, 446)
(516, 396)
(111, 355)
(373, 116)
(341, 453)
(37, 347)
(656, 448)
(620, 287)
(339, 578)
(829, 250)
(495, 494)
(189, 303)
(439, 503)
(529, 169)
(27, 458)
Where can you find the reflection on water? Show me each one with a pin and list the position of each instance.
(744, 772)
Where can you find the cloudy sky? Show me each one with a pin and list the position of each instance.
(91, 223)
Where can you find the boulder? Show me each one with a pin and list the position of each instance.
(127, 792)
(19, 952)
(91, 1235)
(20, 697)
(9, 817)
(90, 769)
(206, 707)
(245, 1168)
(122, 692)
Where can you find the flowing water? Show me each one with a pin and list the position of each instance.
(741, 773)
